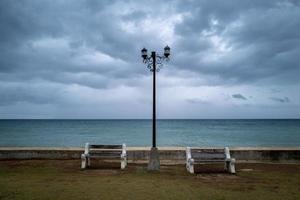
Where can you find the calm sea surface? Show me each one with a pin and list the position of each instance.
(67, 133)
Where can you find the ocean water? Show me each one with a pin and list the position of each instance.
(217, 133)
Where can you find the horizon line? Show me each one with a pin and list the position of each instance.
(149, 119)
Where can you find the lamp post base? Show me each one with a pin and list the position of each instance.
(154, 163)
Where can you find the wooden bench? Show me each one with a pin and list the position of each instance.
(201, 156)
(103, 152)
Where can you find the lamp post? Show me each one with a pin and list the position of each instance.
(154, 63)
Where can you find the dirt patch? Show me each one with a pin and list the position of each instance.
(245, 170)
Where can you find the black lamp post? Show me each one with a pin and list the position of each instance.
(154, 63)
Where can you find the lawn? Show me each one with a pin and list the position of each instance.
(52, 179)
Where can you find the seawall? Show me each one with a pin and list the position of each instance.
(168, 155)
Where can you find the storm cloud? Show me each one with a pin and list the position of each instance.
(281, 100)
(239, 96)
(81, 59)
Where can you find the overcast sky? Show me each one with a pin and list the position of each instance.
(81, 59)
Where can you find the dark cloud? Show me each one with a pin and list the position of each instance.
(197, 101)
(235, 41)
(242, 40)
(239, 96)
(280, 100)
(46, 40)
(51, 48)
(36, 94)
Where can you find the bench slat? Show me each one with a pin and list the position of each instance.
(207, 151)
(105, 153)
(208, 155)
(203, 159)
(105, 146)
(104, 156)
(206, 161)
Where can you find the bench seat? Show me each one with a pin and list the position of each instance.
(207, 161)
(103, 156)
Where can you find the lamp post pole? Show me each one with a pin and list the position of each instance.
(153, 55)
(154, 63)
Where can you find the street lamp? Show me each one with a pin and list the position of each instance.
(154, 64)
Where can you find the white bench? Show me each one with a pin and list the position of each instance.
(103, 152)
(201, 156)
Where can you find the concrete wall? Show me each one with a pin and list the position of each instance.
(267, 154)
(168, 155)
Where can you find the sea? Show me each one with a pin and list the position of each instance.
(170, 132)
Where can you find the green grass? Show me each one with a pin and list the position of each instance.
(64, 180)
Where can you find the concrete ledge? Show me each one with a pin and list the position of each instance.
(39, 153)
(168, 155)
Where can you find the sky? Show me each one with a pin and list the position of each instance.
(81, 59)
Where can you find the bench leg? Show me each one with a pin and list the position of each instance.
(190, 166)
(88, 162)
(83, 161)
(123, 162)
(232, 166)
(226, 165)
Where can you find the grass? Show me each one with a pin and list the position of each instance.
(41, 179)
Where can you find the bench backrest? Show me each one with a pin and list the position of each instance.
(105, 149)
(208, 154)
(105, 146)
